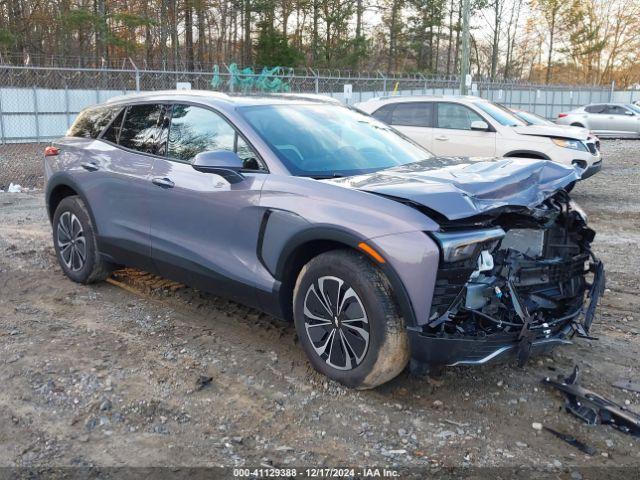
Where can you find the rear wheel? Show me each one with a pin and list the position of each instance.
(75, 243)
(347, 320)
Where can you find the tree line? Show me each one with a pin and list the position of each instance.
(546, 41)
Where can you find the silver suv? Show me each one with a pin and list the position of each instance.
(379, 251)
(620, 120)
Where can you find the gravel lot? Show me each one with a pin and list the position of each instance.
(106, 376)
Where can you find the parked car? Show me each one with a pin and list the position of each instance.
(472, 126)
(533, 119)
(618, 120)
(379, 251)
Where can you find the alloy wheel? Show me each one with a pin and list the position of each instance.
(72, 243)
(336, 323)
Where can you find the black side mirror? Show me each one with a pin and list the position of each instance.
(221, 162)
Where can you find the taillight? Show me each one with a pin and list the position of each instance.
(562, 115)
(51, 151)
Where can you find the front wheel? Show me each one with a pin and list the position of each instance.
(347, 320)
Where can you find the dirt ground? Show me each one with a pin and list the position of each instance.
(105, 376)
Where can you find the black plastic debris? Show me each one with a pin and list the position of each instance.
(203, 381)
(573, 441)
(592, 408)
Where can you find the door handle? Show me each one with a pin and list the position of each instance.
(163, 182)
(443, 138)
(90, 166)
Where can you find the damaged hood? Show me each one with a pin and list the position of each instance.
(460, 187)
(553, 131)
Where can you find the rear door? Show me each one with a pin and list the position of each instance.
(415, 120)
(599, 120)
(204, 230)
(119, 188)
(453, 135)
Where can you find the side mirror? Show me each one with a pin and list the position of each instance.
(480, 125)
(221, 162)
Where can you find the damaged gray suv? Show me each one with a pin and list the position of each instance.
(307, 210)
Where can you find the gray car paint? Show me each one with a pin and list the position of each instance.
(203, 230)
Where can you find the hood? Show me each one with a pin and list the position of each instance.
(461, 187)
(553, 131)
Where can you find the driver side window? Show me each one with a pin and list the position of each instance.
(456, 117)
(194, 130)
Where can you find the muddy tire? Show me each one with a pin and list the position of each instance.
(75, 243)
(347, 320)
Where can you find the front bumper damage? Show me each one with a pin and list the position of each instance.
(541, 289)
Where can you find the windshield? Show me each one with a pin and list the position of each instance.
(532, 118)
(500, 114)
(328, 141)
(635, 108)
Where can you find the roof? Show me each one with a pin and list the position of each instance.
(409, 98)
(218, 97)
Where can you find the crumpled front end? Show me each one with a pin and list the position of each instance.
(514, 282)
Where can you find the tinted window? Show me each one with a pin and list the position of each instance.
(412, 114)
(384, 113)
(194, 130)
(92, 121)
(595, 108)
(456, 117)
(112, 134)
(141, 128)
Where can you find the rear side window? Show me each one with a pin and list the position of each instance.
(142, 127)
(92, 121)
(112, 134)
(595, 108)
(418, 114)
(384, 113)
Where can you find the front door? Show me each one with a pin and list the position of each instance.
(204, 230)
(454, 137)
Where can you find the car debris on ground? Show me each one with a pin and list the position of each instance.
(592, 408)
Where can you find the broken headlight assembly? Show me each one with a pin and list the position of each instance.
(461, 246)
(518, 283)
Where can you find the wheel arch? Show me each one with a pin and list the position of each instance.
(527, 154)
(313, 241)
(60, 187)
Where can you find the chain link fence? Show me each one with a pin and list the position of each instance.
(38, 104)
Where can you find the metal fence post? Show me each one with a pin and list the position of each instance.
(2, 120)
(384, 82)
(316, 82)
(613, 87)
(137, 73)
(35, 110)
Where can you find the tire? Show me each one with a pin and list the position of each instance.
(75, 243)
(364, 293)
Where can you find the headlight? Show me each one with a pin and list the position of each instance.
(572, 144)
(458, 246)
(577, 208)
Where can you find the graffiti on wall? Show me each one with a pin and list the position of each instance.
(270, 80)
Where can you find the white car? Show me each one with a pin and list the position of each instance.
(618, 120)
(472, 126)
